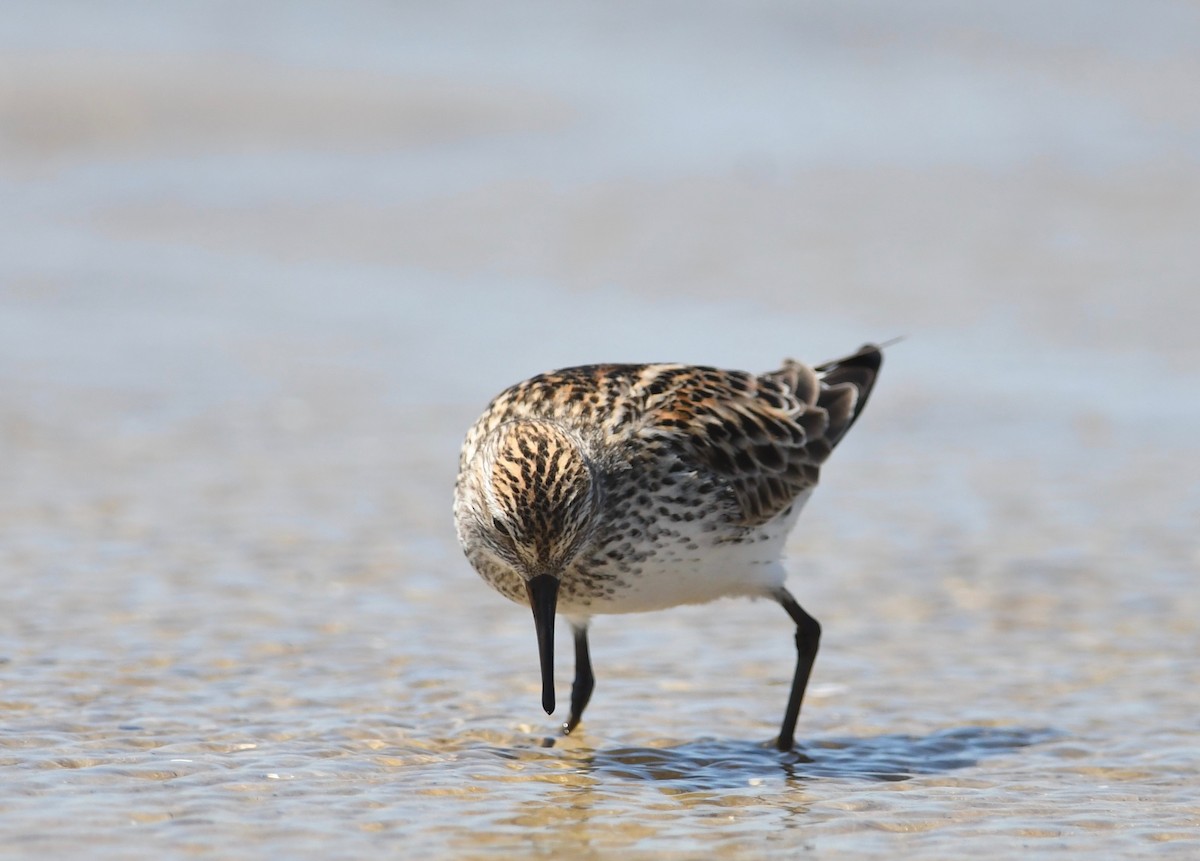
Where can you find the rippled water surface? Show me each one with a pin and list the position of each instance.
(259, 272)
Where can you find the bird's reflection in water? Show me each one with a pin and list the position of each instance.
(722, 763)
(618, 798)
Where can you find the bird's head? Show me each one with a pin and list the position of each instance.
(531, 498)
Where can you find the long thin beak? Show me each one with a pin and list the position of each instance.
(543, 598)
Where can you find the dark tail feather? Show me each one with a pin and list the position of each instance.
(857, 371)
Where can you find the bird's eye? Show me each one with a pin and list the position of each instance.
(500, 525)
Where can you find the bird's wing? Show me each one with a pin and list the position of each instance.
(765, 436)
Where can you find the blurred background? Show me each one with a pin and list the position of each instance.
(262, 264)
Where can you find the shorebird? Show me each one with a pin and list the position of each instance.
(629, 488)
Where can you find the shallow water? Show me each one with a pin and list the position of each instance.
(239, 348)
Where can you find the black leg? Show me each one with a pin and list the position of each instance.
(808, 636)
(581, 691)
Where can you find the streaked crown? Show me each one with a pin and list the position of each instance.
(530, 496)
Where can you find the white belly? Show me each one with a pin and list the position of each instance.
(695, 569)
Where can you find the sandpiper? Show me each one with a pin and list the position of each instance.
(627, 488)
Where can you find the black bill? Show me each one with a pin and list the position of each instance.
(543, 598)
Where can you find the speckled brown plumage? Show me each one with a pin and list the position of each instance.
(639, 487)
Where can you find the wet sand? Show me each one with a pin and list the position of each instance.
(257, 277)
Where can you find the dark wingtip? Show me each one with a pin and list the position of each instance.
(858, 370)
(868, 356)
